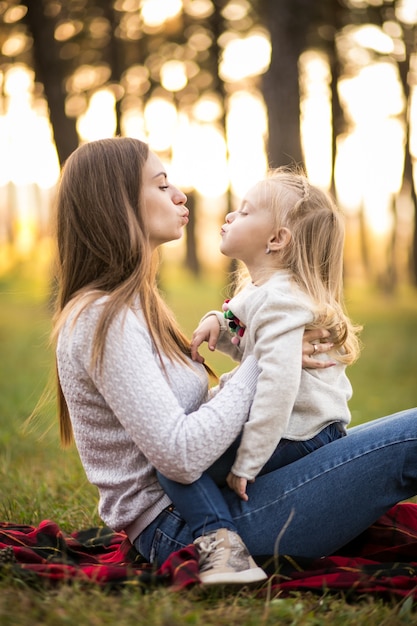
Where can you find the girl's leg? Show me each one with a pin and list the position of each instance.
(288, 451)
(201, 504)
(319, 503)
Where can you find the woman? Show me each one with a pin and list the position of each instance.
(135, 401)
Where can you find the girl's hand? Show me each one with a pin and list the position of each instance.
(314, 343)
(208, 330)
(238, 485)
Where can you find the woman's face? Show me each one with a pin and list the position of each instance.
(164, 204)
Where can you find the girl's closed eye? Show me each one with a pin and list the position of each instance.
(163, 187)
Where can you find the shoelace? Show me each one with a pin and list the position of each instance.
(208, 553)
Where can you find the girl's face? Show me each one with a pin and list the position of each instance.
(164, 204)
(247, 232)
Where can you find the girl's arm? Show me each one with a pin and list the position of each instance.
(213, 329)
(276, 330)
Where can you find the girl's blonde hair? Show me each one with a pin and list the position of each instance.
(103, 249)
(314, 254)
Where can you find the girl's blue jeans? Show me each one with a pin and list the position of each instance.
(202, 503)
(317, 504)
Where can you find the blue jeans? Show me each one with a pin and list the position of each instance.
(317, 504)
(202, 504)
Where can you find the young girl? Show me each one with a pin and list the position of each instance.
(290, 236)
(135, 402)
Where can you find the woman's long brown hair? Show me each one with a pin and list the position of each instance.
(103, 249)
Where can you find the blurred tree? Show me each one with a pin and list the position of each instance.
(78, 47)
(408, 80)
(50, 71)
(288, 22)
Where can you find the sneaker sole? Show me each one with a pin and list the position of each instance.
(253, 575)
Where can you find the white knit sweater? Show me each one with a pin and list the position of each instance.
(290, 402)
(132, 416)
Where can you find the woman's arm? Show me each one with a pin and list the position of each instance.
(179, 445)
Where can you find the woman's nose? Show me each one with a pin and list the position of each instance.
(180, 197)
(229, 218)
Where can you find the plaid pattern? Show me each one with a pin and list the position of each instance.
(383, 560)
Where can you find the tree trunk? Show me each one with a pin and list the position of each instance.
(288, 22)
(113, 54)
(408, 177)
(49, 71)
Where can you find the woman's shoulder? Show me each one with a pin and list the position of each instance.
(82, 312)
(84, 315)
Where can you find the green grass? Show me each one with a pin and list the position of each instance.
(40, 481)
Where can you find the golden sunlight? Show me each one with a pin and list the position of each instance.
(370, 160)
(173, 75)
(199, 158)
(246, 142)
(100, 118)
(29, 165)
(316, 115)
(246, 56)
(160, 117)
(156, 12)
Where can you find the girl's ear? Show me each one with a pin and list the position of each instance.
(280, 240)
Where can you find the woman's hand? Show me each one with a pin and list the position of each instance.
(208, 330)
(316, 342)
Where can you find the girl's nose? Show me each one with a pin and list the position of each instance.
(229, 218)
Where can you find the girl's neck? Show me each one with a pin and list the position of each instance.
(262, 275)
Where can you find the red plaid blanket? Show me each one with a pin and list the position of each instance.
(383, 560)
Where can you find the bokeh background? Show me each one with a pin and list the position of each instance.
(220, 90)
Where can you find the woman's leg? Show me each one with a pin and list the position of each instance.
(319, 503)
(322, 501)
(222, 556)
(201, 504)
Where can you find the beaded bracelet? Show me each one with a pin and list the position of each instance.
(235, 325)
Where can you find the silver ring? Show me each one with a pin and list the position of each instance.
(315, 348)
